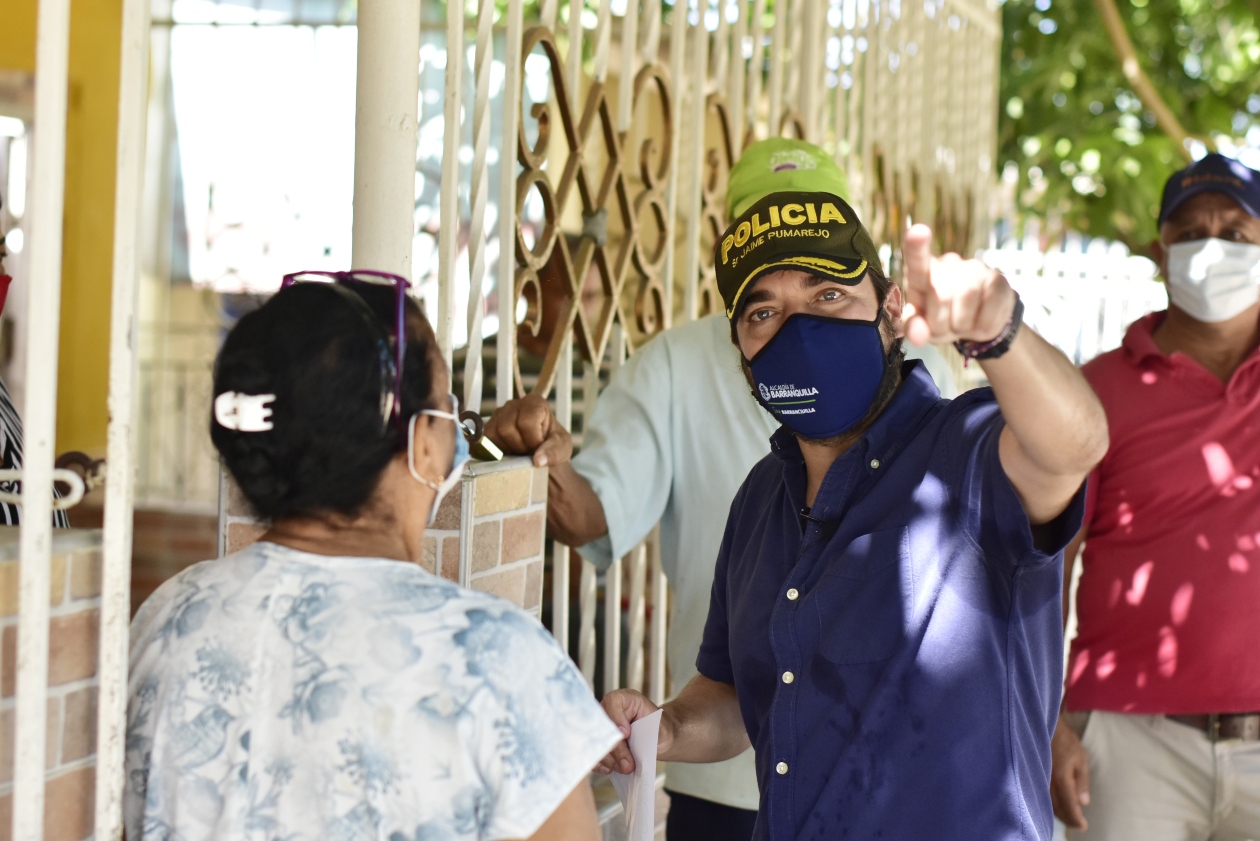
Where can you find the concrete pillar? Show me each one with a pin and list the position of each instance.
(385, 135)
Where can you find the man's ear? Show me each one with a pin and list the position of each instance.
(894, 304)
(1160, 255)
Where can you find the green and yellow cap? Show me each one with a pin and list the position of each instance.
(781, 164)
(786, 198)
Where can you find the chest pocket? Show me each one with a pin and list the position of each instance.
(860, 600)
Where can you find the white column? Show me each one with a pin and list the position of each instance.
(506, 348)
(812, 84)
(386, 95)
(479, 197)
(629, 64)
(636, 629)
(613, 575)
(695, 163)
(778, 41)
(43, 317)
(560, 552)
(737, 73)
(448, 202)
(651, 31)
(603, 42)
(754, 65)
(678, 76)
(657, 690)
(120, 462)
(573, 58)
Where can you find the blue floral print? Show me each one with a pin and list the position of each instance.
(277, 695)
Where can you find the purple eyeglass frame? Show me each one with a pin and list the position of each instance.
(369, 277)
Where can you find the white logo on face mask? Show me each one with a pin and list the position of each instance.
(1213, 280)
(780, 392)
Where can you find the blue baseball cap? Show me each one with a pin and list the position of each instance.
(1212, 174)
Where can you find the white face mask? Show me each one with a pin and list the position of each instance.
(458, 459)
(1213, 280)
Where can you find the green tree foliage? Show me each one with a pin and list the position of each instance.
(1089, 155)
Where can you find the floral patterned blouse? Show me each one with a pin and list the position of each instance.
(283, 696)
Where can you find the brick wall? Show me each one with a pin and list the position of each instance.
(501, 508)
(74, 599)
(507, 512)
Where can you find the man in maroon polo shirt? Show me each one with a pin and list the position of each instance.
(1160, 734)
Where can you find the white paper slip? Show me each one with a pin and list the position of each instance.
(637, 790)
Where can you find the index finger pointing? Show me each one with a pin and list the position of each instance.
(916, 250)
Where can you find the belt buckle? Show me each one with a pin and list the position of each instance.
(1245, 727)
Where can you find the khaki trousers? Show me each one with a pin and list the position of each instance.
(1152, 779)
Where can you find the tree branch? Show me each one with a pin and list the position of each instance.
(1142, 86)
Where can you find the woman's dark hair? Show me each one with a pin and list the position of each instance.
(318, 352)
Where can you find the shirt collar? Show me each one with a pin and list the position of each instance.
(1139, 340)
(916, 394)
(1139, 343)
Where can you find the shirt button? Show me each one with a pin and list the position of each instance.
(874, 464)
(793, 594)
(788, 677)
(781, 767)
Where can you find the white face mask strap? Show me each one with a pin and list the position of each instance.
(411, 452)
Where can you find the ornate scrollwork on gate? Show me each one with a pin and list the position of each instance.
(719, 157)
(625, 228)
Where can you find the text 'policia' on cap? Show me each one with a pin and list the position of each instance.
(810, 231)
(786, 200)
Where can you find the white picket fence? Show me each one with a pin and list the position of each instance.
(1081, 301)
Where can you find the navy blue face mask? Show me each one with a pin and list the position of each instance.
(819, 376)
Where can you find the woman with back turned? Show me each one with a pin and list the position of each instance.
(320, 684)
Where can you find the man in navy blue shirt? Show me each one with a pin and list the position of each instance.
(884, 626)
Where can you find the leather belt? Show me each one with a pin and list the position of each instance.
(1219, 727)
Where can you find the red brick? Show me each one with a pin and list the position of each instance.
(72, 647)
(522, 536)
(507, 490)
(450, 558)
(52, 733)
(8, 735)
(7, 717)
(69, 804)
(485, 546)
(533, 584)
(78, 729)
(448, 512)
(85, 575)
(506, 584)
(429, 555)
